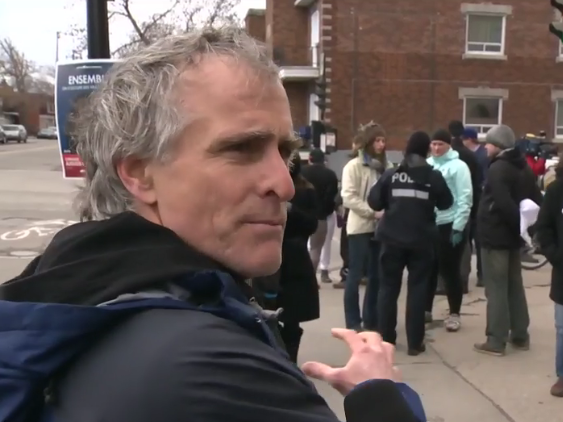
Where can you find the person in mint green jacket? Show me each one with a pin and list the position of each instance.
(451, 225)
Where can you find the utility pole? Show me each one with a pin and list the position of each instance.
(57, 47)
(97, 29)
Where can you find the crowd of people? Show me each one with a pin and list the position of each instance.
(451, 196)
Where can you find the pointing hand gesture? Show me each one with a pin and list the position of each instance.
(372, 358)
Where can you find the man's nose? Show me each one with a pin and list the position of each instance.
(277, 179)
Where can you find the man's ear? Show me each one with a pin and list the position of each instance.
(136, 176)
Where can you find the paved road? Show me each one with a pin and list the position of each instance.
(456, 384)
(34, 199)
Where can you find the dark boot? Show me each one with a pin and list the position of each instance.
(415, 351)
(557, 388)
(489, 349)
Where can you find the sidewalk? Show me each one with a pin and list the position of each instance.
(456, 383)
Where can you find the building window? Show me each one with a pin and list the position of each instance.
(485, 34)
(315, 33)
(314, 112)
(559, 119)
(482, 113)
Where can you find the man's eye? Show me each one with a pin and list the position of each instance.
(243, 147)
(286, 151)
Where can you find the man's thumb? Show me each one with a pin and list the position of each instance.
(317, 370)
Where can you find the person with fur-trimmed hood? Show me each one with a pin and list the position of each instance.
(358, 176)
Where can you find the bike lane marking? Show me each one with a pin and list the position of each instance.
(36, 229)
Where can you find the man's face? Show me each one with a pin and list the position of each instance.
(492, 150)
(439, 148)
(226, 188)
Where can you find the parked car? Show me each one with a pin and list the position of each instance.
(48, 133)
(3, 138)
(15, 133)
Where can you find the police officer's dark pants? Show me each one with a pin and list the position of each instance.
(419, 264)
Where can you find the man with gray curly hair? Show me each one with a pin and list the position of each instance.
(144, 313)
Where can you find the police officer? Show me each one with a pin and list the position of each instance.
(408, 195)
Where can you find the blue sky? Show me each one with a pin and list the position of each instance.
(33, 24)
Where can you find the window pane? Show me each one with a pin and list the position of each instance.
(475, 47)
(560, 131)
(482, 111)
(494, 48)
(559, 121)
(485, 29)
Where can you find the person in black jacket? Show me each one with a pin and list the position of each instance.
(299, 293)
(549, 234)
(408, 195)
(471, 141)
(325, 183)
(456, 129)
(510, 180)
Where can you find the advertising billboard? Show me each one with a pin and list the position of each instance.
(75, 81)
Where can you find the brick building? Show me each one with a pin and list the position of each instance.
(417, 64)
(32, 110)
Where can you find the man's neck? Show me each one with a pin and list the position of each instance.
(474, 146)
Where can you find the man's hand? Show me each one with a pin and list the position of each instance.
(371, 358)
(379, 214)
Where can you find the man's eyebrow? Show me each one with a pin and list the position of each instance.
(257, 135)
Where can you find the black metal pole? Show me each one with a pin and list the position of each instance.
(98, 29)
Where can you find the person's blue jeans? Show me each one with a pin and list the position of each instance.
(559, 340)
(360, 248)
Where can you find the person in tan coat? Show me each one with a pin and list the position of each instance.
(358, 176)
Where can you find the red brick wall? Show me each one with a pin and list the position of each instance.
(28, 106)
(299, 101)
(255, 24)
(403, 66)
(400, 63)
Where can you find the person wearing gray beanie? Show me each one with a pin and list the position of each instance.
(510, 180)
(502, 137)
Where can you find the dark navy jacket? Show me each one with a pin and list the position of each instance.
(409, 195)
(54, 341)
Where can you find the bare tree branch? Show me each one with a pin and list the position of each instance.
(14, 66)
(178, 16)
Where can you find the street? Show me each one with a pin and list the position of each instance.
(456, 384)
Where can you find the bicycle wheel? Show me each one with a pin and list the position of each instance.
(533, 259)
(530, 266)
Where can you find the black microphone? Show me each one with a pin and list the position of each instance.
(382, 401)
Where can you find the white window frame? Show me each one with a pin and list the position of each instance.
(315, 29)
(558, 126)
(503, 36)
(480, 132)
